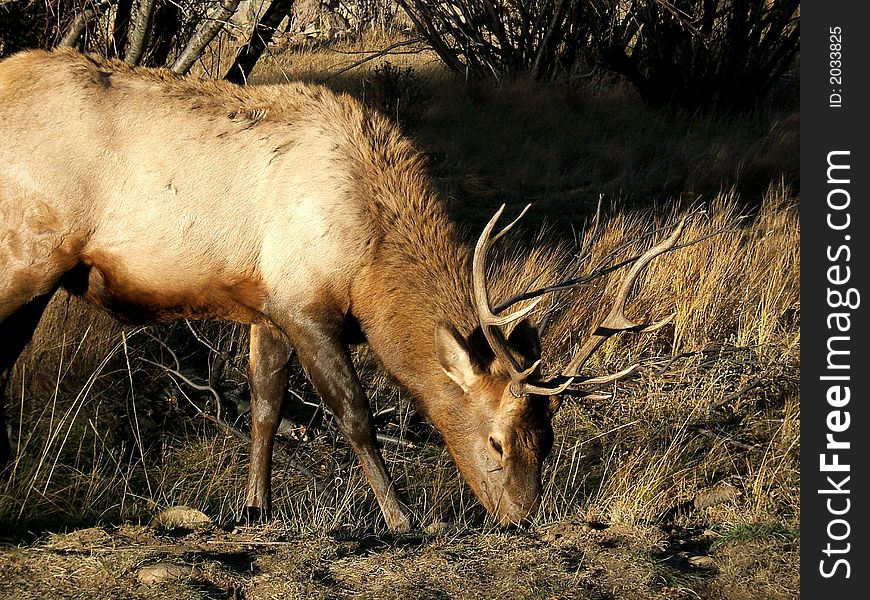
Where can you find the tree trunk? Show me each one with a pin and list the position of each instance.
(205, 33)
(140, 25)
(250, 53)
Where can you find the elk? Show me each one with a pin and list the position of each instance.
(294, 210)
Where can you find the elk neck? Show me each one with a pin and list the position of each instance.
(419, 274)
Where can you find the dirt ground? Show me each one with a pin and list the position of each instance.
(568, 560)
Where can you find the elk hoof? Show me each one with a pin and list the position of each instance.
(400, 520)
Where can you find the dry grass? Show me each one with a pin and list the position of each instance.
(104, 437)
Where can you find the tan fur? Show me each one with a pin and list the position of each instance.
(287, 207)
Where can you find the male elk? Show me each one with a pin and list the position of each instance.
(287, 207)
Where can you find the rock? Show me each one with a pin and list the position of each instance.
(160, 572)
(718, 494)
(439, 528)
(181, 517)
(702, 562)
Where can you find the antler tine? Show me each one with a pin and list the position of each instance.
(510, 225)
(560, 383)
(489, 321)
(557, 385)
(481, 295)
(616, 320)
(612, 377)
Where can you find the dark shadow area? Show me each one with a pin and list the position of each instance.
(240, 562)
(684, 545)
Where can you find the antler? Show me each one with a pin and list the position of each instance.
(490, 322)
(614, 322)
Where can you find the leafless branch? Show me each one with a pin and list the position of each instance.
(139, 31)
(217, 419)
(374, 55)
(77, 28)
(205, 33)
(248, 55)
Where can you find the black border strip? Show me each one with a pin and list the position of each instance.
(835, 300)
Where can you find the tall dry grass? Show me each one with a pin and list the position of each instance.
(718, 400)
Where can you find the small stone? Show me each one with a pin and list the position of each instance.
(438, 528)
(160, 572)
(181, 517)
(702, 562)
(718, 494)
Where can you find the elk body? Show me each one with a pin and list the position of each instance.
(289, 208)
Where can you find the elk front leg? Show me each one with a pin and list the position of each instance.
(269, 363)
(327, 363)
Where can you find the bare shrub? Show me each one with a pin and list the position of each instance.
(504, 37)
(396, 91)
(698, 54)
(35, 23)
(693, 54)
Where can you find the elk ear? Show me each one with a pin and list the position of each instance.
(455, 356)
(526, 341)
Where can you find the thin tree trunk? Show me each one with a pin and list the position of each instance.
(205, 33)
(250, 53)
(140, 25)
(79, 24)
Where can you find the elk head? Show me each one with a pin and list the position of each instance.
(509, 407)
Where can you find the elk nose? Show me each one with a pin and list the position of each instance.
(518, 515)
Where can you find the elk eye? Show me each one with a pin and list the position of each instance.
(496, 446)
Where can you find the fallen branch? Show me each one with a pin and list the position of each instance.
(388, 439)
(734, 395)
(728, 440)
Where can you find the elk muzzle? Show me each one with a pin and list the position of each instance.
(514, 500)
